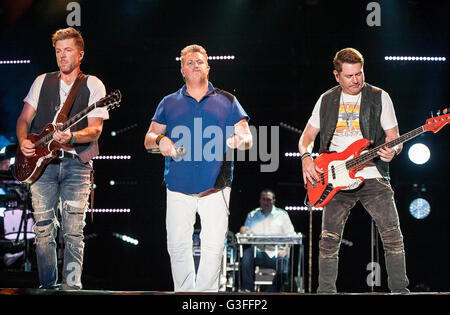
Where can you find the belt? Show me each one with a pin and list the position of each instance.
(64, 154)
(207, 192)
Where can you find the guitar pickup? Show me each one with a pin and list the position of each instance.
(324, 195)
(333, 173)
(322, 178)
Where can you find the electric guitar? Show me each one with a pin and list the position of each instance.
(28, 169)
(340, 168)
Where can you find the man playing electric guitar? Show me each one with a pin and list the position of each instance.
(66, 177)
(351, 111)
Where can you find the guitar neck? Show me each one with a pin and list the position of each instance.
(72, 121)
(372, 153)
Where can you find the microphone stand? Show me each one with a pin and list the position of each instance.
(308, 205)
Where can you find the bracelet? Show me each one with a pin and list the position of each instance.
(395, 150)
(73, 139)
(158, 139)
(305, 155)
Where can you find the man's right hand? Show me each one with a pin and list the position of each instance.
(167, 147)
(310, 170)
(27, 147)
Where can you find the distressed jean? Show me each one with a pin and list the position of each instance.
(67, 179)
(254, 257)
(377, 197)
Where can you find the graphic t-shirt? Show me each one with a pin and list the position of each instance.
(348, 129)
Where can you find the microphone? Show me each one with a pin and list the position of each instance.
(180, 151)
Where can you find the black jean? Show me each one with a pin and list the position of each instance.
(377, 197)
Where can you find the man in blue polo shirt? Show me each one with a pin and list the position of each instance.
(207, 123)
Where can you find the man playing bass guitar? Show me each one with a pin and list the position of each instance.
(351, 111)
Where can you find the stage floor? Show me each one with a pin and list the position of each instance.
(33, 291)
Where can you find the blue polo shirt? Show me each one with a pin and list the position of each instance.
(202, 129)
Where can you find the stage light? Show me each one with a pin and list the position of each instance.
(13, 62)
(113, 133)
(301, 208)
(112, 157)
(419, 208)
(126, 238)
(228, 57)
(419, 153)
(118, 210)
(297, 154)
(112, 183)
(415, 58)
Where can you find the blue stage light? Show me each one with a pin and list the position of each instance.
(419, 208)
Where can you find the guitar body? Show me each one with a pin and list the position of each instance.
(28, 169)
(336, 177)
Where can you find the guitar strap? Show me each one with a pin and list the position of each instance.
(64, 115)
(65, 110)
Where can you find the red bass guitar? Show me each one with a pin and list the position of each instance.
(340, 168)
(28, 169)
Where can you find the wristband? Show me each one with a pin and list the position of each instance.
(158, 139)
(395, 150)
(305, 155)
(73, 139)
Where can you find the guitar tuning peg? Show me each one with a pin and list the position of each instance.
(445, 111)
(438, 112)
(432, 115)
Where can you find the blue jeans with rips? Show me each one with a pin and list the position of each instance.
(377, 197)
(67, 179)
(250, 260)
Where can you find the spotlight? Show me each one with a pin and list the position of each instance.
(419, 153)
(419, 208)
(126, 238)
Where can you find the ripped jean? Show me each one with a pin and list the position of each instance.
(377, 197)
(68, 179)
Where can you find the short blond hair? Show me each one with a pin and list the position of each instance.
(66, 33)
(192, 49)
(347, 55)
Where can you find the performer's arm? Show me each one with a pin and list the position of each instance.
(166, 145)
(305, 145)
(387, 154)
(90, 133)
(22, 127)
(242, 138)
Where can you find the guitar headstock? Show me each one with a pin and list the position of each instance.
(111, 101)
(436, 123)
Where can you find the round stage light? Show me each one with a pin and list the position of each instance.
(419, 208)
(419, 153)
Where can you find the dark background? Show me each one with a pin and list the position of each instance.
(283, 62)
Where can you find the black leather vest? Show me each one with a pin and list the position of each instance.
(48, 103)
(369, 120)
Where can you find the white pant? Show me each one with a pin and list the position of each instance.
(180, 220)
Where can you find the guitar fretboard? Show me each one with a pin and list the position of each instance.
(69, 123)
(372, 153)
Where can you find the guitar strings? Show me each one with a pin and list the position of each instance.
(342, 168)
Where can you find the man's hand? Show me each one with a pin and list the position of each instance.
(167, 147)
(239, 142)
(386, 154)
(310, 170)
(62, 137)
(28, 148)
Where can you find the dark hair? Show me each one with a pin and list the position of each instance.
(267, 191)
(347, 55)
